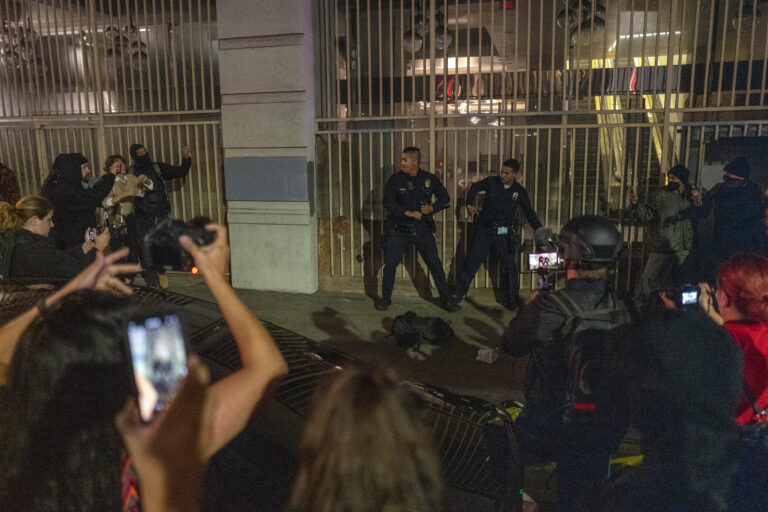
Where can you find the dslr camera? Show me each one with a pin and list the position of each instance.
(161, 248)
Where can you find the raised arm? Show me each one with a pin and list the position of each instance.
(237, 394)
(99, 275)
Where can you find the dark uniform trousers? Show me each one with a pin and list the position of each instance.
(398, 242)
(484, 239)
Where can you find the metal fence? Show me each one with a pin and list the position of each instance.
(589, 96)
(98, 75)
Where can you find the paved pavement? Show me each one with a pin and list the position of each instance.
(349, 322)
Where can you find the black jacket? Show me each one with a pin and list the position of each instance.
(155, 202)
(74, 205)
(404, 193)
(535, 332)
(36, 257)
(500, 204)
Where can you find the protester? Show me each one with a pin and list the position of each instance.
(118, 205)
(32, 254)
(154, 207)
(742, 308)
(74, 203)
(669, 234)
(735, 211)
(69, 378)
(364, 449)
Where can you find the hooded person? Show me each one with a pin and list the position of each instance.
(735, 213)
(669, 232)
(677, 377)
(154, 206)
(74, 202)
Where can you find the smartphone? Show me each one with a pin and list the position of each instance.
(538, 259)
(91, 235)
(159, 360)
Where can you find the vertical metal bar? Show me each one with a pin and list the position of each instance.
(13, 89)
(552, 71)
(167, 47)
(432, 85)
(665, 159)
(736, 53)
(706, 90)
(630, 37)
(540, 79)
(391, 58)
(751, 56)
(528, 61)
(597, 173)
(174, 60)
(156, 32)
(380, 56)
(765, 69)
(370, 69)
(45, 100)
(21, 67)
(130, 79)
(679, 55)
(199, 46)
(358, 68)
(212, 71)
(351, 216)
(191, 56)
(571, 172)
(691, 89)
(504, 64)
(183, 58)
(138, 58)
(722, 54)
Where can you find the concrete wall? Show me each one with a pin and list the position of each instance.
(267, 95)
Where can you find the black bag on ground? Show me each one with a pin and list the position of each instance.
(411, 330)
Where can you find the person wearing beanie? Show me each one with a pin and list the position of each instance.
(668, 233)
(677, 378)
(154, 207)
(74, 202)
(735, 214)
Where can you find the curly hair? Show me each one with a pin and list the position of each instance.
(9, 185)
(365, 450)
(111, 159)
(59, 447)
(744, 279)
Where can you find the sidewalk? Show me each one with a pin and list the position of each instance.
(348, 322)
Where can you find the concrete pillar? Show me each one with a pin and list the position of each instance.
(267, 115)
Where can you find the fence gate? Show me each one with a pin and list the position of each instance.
(95, 76)
(589, 96)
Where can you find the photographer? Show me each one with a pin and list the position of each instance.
(69, 380)
(33, 254)
(742, 301)
(545, 331)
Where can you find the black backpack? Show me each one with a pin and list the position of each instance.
(585, 332)
(411, 330)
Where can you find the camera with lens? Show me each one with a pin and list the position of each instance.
(161, 248)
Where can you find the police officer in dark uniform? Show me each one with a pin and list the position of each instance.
(495, 227)
(408, 197)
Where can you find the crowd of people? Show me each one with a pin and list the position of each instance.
(53, 235)
(691, 378)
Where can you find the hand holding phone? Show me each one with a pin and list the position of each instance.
(159, 359)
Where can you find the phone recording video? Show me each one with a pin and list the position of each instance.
(543, 260)
(159, 358)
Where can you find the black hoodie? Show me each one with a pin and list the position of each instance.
(155, 202)
(74, 206)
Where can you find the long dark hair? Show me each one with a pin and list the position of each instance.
(9, 185)
(69, 376)
(365, 449)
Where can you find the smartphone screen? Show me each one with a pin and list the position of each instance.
(537, 260)
(159, 360)
(689, 297)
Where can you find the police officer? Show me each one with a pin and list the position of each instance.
(408, 197)
(495, 227)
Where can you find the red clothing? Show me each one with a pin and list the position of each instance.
(753, 340)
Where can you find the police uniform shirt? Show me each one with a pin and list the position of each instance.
(500, 203)
(404, 193)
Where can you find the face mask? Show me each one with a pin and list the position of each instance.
(143, 162)
(673, 186)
